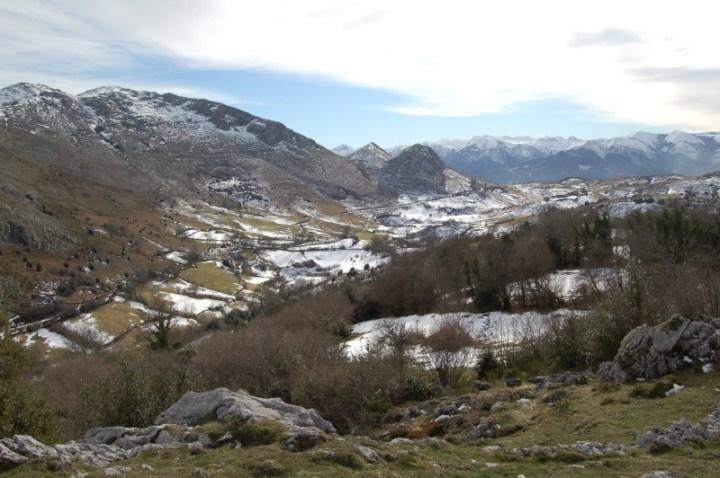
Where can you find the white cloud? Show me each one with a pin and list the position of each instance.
(455, 58)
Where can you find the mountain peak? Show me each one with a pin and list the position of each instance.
(113, 90)
(343, 150)
(20, 93)
(370, 156)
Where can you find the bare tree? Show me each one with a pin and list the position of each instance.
(397, 338)
(450, 350)
(159, 334)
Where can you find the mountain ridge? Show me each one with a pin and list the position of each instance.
(510, 159)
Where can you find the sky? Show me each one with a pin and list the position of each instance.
(390, 71)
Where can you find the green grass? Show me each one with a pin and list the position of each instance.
(590, 412)
(207, 274)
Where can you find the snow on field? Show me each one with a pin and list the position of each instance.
(183, 304)
(208, 236)
(176, 256)
(260, 232)
(180, 285)
(257, 280)
(87, 327)
(347, 243)
(142, 308)
(51, 339)
(494, 327)
(308, 264)
(567, 284)
(623, 208)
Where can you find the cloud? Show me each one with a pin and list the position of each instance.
(452, 58)
(610, 36)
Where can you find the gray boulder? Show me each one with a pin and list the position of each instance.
(367, 454)
(681, 433)
(195, 408)
(102, 446)
(21, 449)
(652, 352)
(486, 428)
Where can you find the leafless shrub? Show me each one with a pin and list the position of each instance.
(449, 350)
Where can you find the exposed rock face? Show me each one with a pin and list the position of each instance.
(418, 169)
(682, 432)
(102, 446)
(652, 352)
(194, 408)
(22, 449)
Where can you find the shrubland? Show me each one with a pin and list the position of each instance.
(291, 346)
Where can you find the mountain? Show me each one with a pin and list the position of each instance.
(521, 159)
(343, 150)
(171, 142)
(418, 169)
(370, 159)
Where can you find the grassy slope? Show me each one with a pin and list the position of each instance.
(590, 413)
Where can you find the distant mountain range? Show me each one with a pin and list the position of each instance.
(521, 159)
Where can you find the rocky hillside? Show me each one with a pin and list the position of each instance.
(547, 425)
(168, 141)
(417, 169)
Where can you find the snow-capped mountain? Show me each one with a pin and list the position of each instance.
(369, 157)
(518, 159)
(165, 135)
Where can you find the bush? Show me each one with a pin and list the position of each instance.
(22, 408)
(486, 364)
(418, 387)
(257, 433)
(123, 388)
(449, 350)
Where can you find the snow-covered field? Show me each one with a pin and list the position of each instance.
(51, 339)
(87, 327)
(491, 327)
(316, 262)
(568, 284)
(187, 305)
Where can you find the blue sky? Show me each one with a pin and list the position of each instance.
(390, 71)
(332, 112)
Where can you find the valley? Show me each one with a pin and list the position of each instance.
(370, 311)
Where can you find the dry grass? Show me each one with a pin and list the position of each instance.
(209, 275)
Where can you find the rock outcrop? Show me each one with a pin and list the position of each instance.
(174, 428)
(588, 449)
(652, 352)
(681, 433)
(195, 408)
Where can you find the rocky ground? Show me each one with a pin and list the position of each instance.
(569, 425)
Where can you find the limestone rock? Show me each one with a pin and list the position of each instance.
(681, 432)
(194, 408)
(367, 454)
(652, 352)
